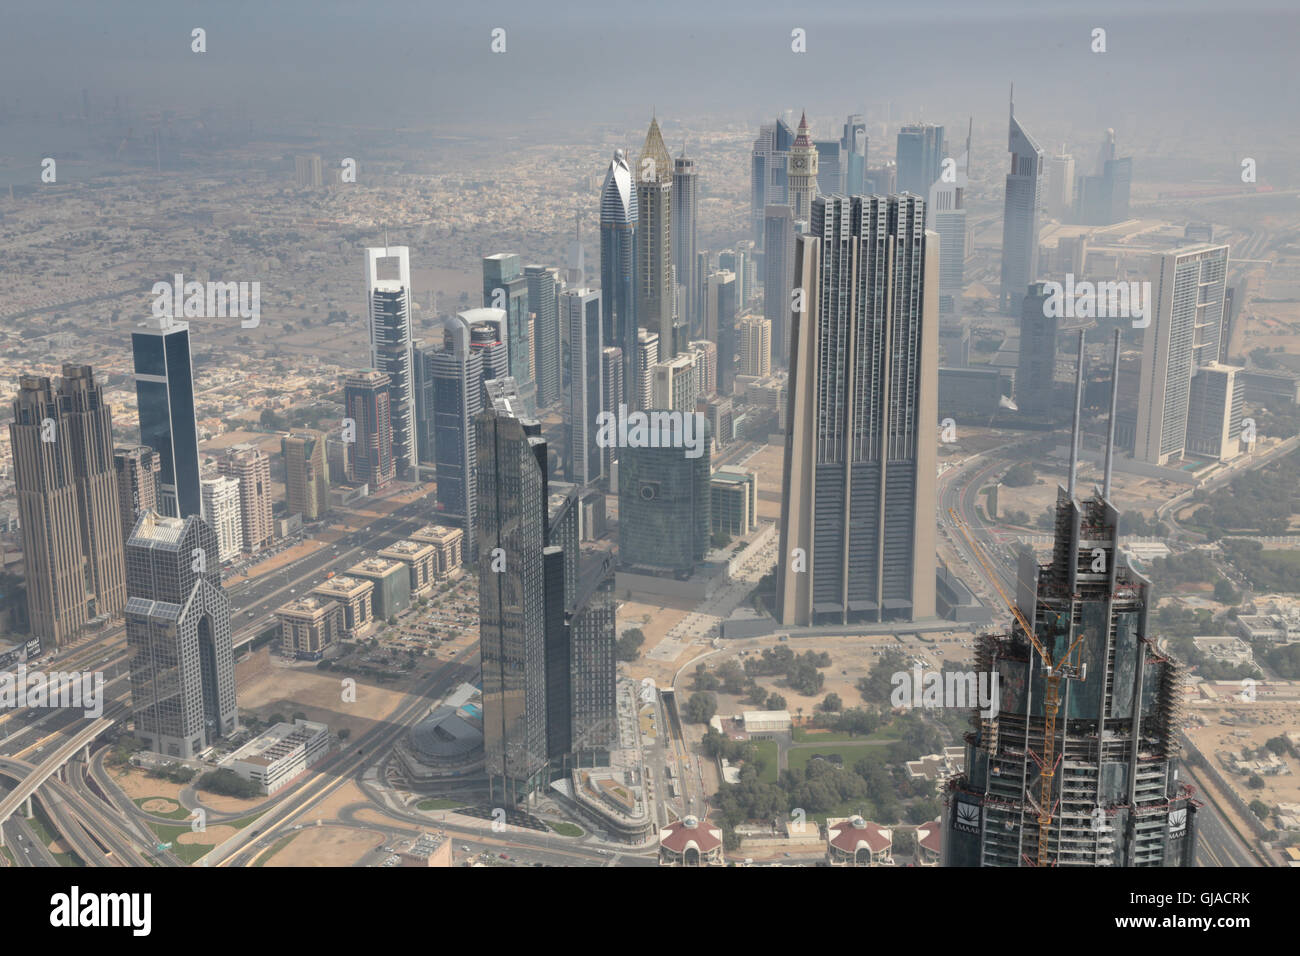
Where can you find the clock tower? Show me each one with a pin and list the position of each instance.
(802, 171)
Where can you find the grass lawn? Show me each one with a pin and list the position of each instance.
(180, 813)
(802, 735)
(768, 751)
(435, 803)
(851, 753)
(566, 829)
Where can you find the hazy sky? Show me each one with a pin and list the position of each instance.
(416, 63)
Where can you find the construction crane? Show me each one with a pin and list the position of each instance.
(1051, 702)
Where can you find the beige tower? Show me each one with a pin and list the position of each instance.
(802, 171)
(253, 469)
(306, 477)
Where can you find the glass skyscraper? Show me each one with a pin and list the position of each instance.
(618, 257)
(1020, 217)
(164, 390)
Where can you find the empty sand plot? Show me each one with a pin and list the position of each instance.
(327, 846)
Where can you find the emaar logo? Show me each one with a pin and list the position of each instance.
(209, 300)
(1101, 300)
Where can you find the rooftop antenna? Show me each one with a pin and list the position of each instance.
(1110, 426)
(1074, 429)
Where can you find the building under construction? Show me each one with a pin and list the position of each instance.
(1078, 765)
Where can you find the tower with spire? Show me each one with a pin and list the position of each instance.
(655, 283)
(618, 242)
(802, 171)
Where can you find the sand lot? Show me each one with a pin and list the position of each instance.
(212, 836)
(136, 784)
(327, 846)
(1275, 720)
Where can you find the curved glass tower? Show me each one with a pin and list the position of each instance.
(618, 223)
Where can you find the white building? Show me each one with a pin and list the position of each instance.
(280, 755)
(222, 511)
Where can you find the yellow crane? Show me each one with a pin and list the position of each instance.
(1051, 701)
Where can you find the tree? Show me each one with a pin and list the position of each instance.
(344, 734)
(776, 702)
(1020, 475)
(832, 704)
(628, 646)
(1224, 592)
(701, 707)
(299, 715)
(1256, 782)
(1259, 808)
(276, 718)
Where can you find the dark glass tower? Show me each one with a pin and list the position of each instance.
(664, 505)
(164, 389)
(920, 158)
(505, 287)
(543, 290)
(618, 257)
(1020, 216)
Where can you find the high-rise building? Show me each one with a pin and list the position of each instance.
(179, 635)
(366, 400)
(664, 502)
(164, 391)
(655, 285)
(1060, 185)
(488, 336)
(769, 171)
(1102, 199)
(506, 287)
(611, 386)
(307, 171)
(67, 503)
(778, 276)
(388, 311)
(224, 515)
(1214, 411)
(853, 143)
(858, 499)
(306, 476)
(1103, 785)
(920, 158)
(672, 384)
(755, 335)
(543, 291)
(1036, 365)
(136, 467)
(1020, 216)
(830, 166)
(593, 669)
(253, 469)
(455, 376)
(580, 313)
(720, 304)
(706, 367)
(647, 357)
(947, 214)
(802, 175)
(685, 254)
(618, 264)
(1185, 317)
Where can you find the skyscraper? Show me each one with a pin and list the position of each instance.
(853, 143)
(830, 166)
(685, 254)
(164, 390)
(1102, 199)
(519, 585)
(543, 289)
(663, 502)
(580, 312)
(611, 385)
(456, 376)
(858, 501)
(67, 503)
(1186, 317)
(593, 668)
(778, 276)
(1091, 672)
(655, 286)
(366, 400)
(803, 169)
(647, 357)
(253, 469)
(506, 287)
(947, 214)
(223, 513)
(388, 313)
(618, 264)
(720, 301)
(1036, 365)
(755, 337)
(178, 632)
(920, 158)
(1020, 216)
(769, 171)
(306, 477)
(136, 467)
(1060, 185)
(672, 384)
